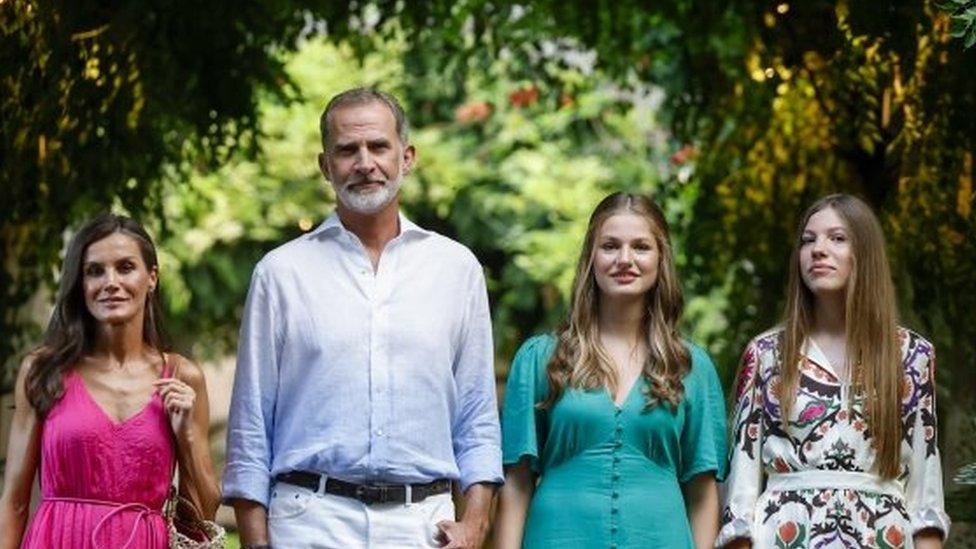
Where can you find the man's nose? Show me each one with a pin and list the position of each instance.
(364, 160)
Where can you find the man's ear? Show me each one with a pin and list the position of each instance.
(409, 155)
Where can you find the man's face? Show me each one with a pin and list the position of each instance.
(364, 158)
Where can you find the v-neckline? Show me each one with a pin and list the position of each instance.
(630, 390)
(111, 419)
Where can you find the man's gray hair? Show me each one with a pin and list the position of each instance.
(362, 96)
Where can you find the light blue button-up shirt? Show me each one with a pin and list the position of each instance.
(363, 376)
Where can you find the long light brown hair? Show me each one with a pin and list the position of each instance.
(873, 351)
(579, 360)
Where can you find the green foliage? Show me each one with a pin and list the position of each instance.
(95, 100)
(963, 14)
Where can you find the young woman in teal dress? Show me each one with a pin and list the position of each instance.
(613, 430)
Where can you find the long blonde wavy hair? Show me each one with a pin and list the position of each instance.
(579, 360)
(873, 350)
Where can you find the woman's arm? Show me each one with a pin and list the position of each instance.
(185, 397)
(23, 455)
(513, 505)
(701, 503)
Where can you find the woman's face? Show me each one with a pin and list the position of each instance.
(826, 256)
(116, 279)
(626, 256)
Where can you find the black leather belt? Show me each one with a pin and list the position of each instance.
(366, 493)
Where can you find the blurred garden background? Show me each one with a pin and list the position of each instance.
(201, 120)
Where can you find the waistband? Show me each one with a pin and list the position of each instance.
(833, 480)
(143, 517)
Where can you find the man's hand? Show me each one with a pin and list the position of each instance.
(470, 531)
(462, 535)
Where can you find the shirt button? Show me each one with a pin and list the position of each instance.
(616, 476)
(613, 511)
(379, 432)
(615, 495)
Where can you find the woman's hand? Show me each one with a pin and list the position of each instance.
(178, 398)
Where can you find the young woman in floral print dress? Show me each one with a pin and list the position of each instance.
(834, 436)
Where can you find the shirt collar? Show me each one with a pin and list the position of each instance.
(333, 226)
(815, 354)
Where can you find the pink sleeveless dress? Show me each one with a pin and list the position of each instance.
(103, 483)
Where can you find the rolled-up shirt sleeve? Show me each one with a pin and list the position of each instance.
(249, 432)
(476, 433)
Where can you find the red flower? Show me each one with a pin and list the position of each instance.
(788, 531)
(473, 111)
(523, 97)
(780, 465)
(683, 155)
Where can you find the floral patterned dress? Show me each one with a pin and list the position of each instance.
(811, 485)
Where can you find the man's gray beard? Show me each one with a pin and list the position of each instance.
(369, 203)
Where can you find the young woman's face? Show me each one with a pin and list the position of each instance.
(826, 256)
(626, 256)
(116, 279)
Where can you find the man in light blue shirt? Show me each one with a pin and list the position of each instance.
(365, 383)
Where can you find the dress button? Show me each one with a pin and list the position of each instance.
(613, 546)
(615, 495)
(616, 476)
(613, 511)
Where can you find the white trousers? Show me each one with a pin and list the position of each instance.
(300, 518)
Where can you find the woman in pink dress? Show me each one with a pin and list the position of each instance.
(101, 412)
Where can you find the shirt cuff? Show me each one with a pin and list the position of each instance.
(931, 517)
(738, 528)
(481, 464)
(246, 483)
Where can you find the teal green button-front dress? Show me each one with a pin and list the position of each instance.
(609, 476)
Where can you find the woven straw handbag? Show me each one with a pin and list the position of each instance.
(187, 529)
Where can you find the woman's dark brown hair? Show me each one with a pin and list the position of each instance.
(70, 334)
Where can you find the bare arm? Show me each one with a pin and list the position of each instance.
(701, 502)
(252, 521)
(23, 456)
(513, 505)
(197, 478)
